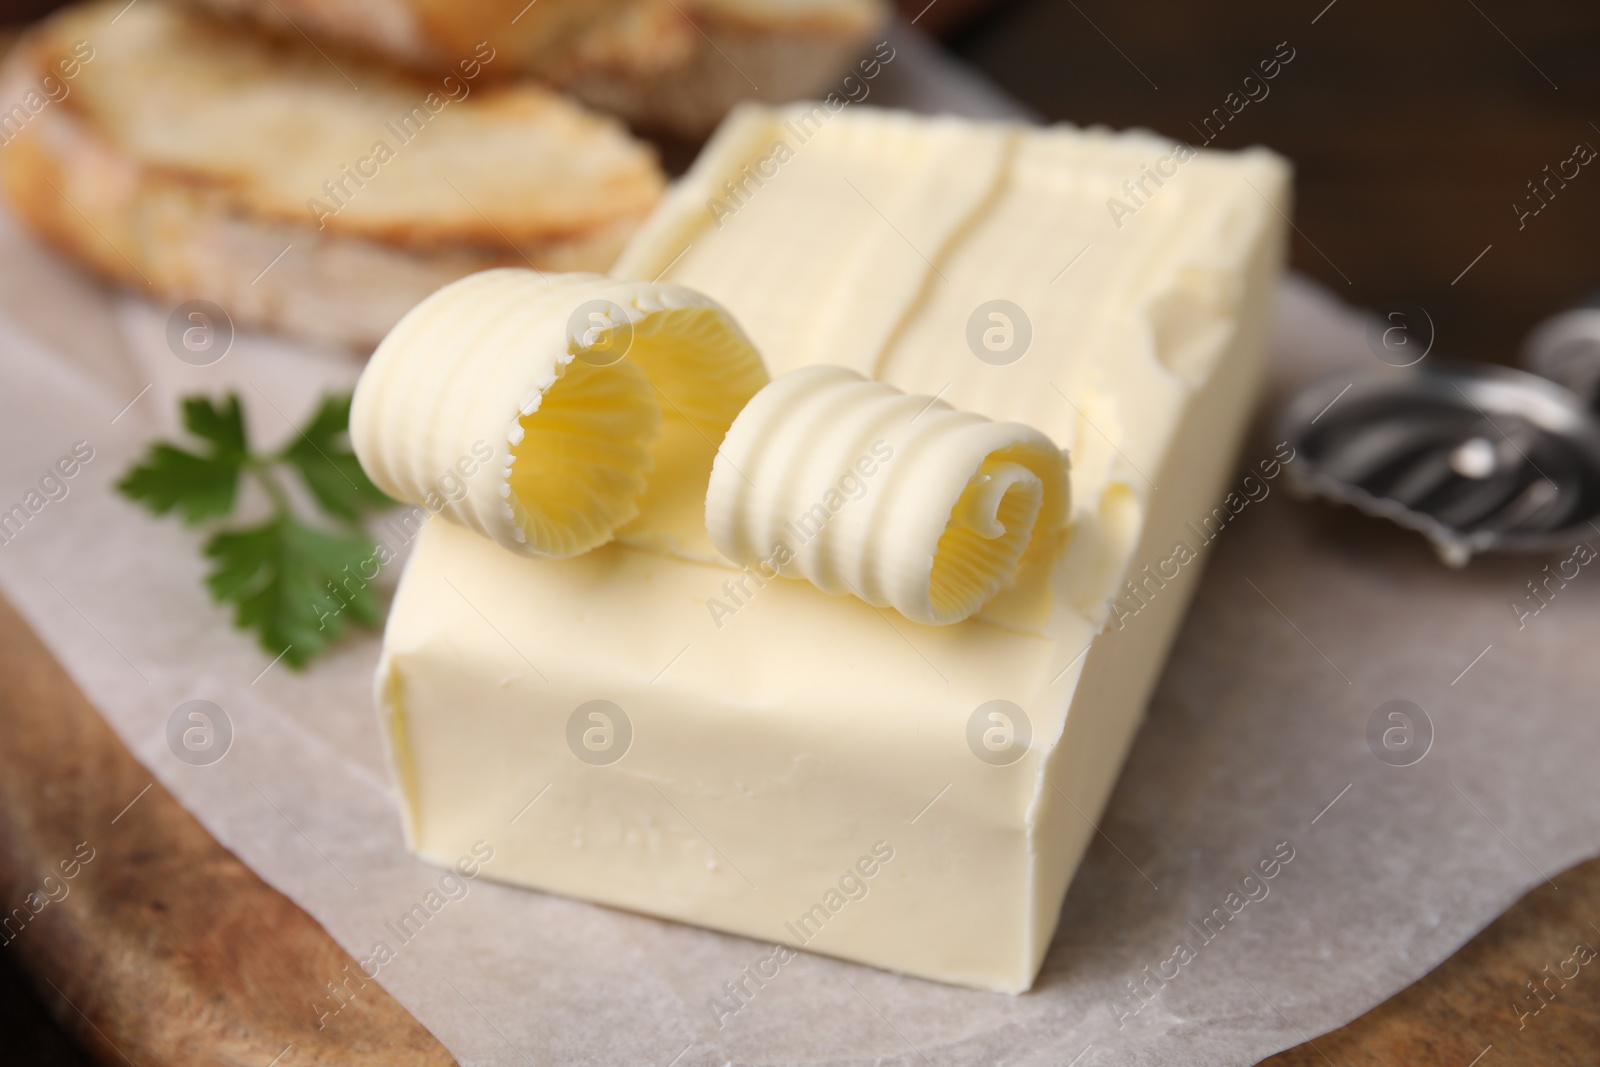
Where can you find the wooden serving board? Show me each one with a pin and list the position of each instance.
(165, 948)
(168, 950)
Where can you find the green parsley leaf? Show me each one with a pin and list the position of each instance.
(223, 425)
(199, 485)
(294, 585)
(322, 456)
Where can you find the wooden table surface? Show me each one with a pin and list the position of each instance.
(1415, 128)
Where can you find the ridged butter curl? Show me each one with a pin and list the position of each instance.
(900, 500)
(524, 405)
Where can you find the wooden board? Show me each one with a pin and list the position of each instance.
(1470, 1009)
(165, 948)
(168, 950)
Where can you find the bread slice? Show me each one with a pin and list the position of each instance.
(672, 65)
(301, 189)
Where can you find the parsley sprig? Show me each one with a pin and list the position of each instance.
(289, 581)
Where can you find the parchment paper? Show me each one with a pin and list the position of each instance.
(1307, 620)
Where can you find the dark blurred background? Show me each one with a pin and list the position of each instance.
(1414, 128)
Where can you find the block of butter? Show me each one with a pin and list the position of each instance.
(650, 726)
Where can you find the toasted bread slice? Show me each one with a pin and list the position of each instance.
(673, 65)
(184, 154)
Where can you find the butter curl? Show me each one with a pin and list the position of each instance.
(902, 501)
(525, 406)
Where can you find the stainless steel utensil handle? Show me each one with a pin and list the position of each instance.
(1566, 349)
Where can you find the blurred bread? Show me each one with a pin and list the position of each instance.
(186, 154)
(674, 65)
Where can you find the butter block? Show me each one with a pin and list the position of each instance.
(663, 731)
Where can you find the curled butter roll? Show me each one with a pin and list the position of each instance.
(524, 406)
(900, 500)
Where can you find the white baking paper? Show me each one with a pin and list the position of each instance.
(1308, 620)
